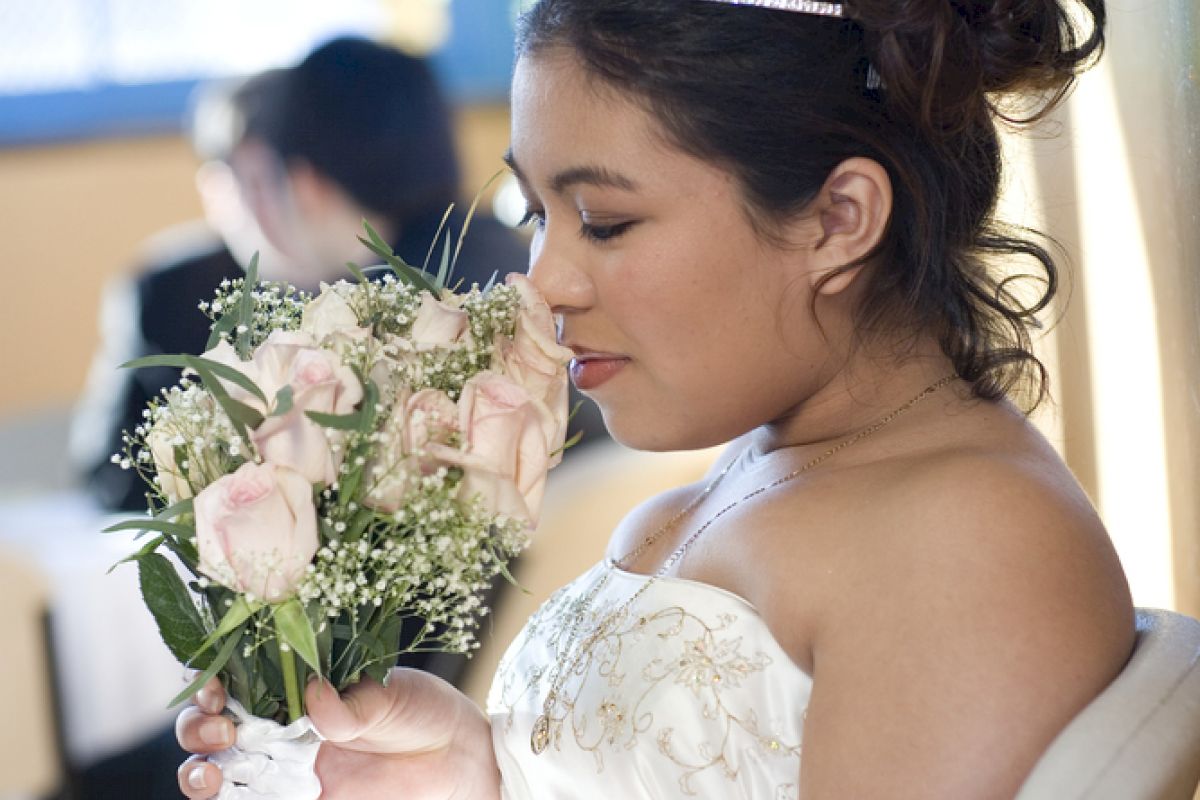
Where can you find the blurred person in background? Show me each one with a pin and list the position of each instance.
(293, 161)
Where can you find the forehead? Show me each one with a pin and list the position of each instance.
(561, 114)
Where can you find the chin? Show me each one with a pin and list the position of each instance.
(659, 435)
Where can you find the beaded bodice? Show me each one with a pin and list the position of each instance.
(687, 694)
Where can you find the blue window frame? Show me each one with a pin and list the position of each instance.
(74, 69)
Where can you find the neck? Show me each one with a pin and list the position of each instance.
(854, 397)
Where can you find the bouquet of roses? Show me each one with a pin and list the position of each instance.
(335, 465)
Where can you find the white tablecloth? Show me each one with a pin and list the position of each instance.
(115, 675)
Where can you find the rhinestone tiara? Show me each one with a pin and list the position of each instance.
(821, 9)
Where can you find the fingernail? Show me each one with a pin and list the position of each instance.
(206, 701)
(196, 777)
(215, 732)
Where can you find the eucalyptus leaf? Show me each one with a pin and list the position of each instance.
(443, 273)
(245, 311)
(295, 629)
(243, 417)
(238, 613)
(338, 422)
(177, 510)
(172, 606)
(177, 529)
(414, 276)
(225, 324)
(213, 668)
(356, 271)
(462, 235)
(367, 412)
(284, 400)
(437, 235)
(197, 363)
(567, 445)
(376, 239)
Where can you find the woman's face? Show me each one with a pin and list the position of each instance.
(688, 328)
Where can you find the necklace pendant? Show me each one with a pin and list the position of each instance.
(539, 740)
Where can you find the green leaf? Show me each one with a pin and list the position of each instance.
(224, 324)
(284, 399)
(214, 667)
(574, 440)
(238, 613)
(245, 312)
(508, 576)
(177, 510)
(462, 235)
(405, 272)
(172, 606)
(243, 417)
(338, 422)
(216, 368)
(444, 268)
(295, 629)
(150, 524)
(367, 410)
(377, 240)
(437, 235)
(227, 373)
(356, 271)
(142, 552)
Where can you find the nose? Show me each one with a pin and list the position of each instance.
(559, 272)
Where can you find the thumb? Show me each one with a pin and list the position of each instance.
(341, 718)
(415, 712)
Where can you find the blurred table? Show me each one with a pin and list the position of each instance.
(114, 674)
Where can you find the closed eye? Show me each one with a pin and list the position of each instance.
(604, 233)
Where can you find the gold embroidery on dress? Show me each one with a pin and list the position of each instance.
(707, 660)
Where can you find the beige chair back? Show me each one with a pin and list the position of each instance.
(1140, 739)
(30, 765)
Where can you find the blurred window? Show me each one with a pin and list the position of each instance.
(82, 68)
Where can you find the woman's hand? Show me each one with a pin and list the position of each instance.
(418, 738)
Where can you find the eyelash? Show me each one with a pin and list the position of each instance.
(599, 234)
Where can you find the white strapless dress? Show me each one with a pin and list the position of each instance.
(687, 695)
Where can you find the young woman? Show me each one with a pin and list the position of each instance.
(769, 223)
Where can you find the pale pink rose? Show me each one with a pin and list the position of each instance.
(256, 530)
(505, 453)
(320, 382)
(327, 314)
(419, 423)
(534, 359)
(170, 478)
(438, 324)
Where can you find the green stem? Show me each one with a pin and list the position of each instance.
(291, 684)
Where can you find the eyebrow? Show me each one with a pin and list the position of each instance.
(589, 175)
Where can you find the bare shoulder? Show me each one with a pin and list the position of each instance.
(974, 606)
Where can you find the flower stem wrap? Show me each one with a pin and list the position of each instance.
(269, 761)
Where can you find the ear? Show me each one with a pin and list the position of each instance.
(853, 208)
(313, 193)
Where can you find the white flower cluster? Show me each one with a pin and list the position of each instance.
(185, 442)
(275, 307)
(432, 559)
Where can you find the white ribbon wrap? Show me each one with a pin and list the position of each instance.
(269, 761)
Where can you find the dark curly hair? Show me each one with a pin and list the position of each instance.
(780, 99)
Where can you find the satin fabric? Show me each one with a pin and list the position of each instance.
(686, 695)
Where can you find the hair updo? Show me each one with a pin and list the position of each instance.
(780, 99)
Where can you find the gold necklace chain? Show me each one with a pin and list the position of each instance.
(539, 739)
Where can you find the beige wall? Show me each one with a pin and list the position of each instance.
(73, 216)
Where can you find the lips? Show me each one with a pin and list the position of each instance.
(590, 369)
